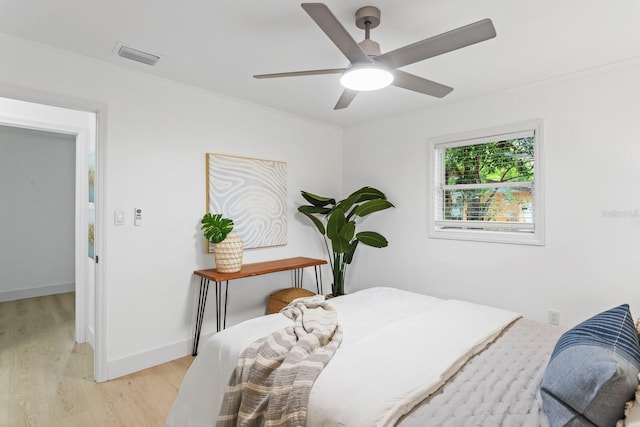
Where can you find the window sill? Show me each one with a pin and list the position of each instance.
(533, 239)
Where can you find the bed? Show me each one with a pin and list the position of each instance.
(409, 359)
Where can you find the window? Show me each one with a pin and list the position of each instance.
(488, 185)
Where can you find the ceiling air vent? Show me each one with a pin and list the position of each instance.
(138, 55)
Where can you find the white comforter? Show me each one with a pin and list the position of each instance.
(398, 348)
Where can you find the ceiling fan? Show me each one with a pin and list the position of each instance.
(367, 64)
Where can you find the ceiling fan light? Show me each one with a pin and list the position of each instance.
(367, 77)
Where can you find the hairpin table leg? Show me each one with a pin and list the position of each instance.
(298, 277)
(202, 301)
(221, 307)
(318, 271)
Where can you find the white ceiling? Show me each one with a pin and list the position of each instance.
(219, 45)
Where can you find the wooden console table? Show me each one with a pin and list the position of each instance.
(296, 264)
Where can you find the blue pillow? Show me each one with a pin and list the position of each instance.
(593, 371)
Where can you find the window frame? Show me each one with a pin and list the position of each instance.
(488, 134)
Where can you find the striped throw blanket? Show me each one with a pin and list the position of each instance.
(272, 380)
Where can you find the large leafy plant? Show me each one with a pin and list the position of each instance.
(215, 227)
(339, 233)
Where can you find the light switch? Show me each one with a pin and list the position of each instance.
(118, 217)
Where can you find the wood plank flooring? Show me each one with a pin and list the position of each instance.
(46, 379)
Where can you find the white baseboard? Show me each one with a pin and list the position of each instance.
(137, 362)
(40, 291)
(91, 338)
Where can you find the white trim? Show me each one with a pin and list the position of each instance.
(82, 221)
(139, 361)
(486, 224)
(40, 291)
(490, 137)
(483, 236)
(477, 137)
(485, 135)
(91, 337)
(100, 342)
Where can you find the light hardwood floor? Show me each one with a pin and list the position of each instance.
(47, 380)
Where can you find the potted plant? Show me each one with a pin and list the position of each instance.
(227, 246)
(340, 237)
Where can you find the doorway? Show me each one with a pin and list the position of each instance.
(37, 187)
(82, 126)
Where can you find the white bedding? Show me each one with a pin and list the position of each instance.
(398, 348)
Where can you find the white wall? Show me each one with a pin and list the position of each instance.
(37, 184)
(157, 135)
(590, 262)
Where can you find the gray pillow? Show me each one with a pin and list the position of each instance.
(593, 371)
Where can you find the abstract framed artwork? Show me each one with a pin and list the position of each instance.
(252, 192)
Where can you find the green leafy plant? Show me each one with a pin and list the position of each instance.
(215, 227)
(340, 237)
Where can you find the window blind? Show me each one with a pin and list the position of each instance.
(487, 183)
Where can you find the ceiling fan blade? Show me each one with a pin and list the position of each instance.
(442, 43)
(418, 84)
(328, 23)
(300, 73)
(345, 99)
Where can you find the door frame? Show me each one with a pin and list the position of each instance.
(25, 108)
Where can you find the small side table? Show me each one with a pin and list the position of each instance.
(296, 264)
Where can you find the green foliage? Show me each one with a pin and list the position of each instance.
(215, 227)
(492, 162)
(339, 233)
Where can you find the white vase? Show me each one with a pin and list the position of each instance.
(228, 254)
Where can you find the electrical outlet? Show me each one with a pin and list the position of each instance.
(554, 317)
